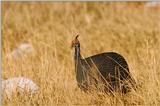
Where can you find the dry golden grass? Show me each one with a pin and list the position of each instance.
(130, 29)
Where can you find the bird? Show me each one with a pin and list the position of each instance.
(108, 69)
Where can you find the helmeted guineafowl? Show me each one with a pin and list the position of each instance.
(109, 69)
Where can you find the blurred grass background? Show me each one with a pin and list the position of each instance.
(129, 28)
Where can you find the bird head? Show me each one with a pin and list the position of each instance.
(75, 42)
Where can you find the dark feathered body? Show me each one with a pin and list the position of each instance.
(109, 68)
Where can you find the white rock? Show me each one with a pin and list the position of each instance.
(152, 3)
(23, 49)
(18, 84)
(26, 47)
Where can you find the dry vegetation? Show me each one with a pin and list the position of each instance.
(130, 29)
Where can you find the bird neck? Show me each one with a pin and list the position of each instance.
(77, 55)
(81, 75)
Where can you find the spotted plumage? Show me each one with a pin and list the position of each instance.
(109, 69)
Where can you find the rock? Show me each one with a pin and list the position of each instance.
(20, 85)
(23, 50)
(153, 3)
